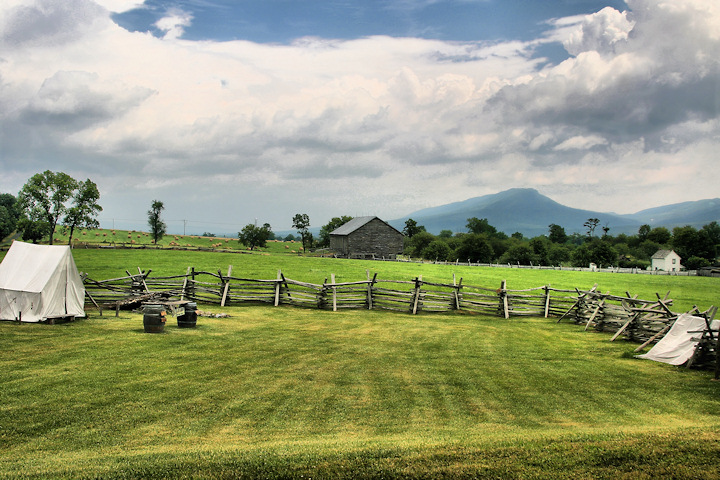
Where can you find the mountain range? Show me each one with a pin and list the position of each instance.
(527, 211)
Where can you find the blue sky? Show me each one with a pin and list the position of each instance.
(231, 111)
(283, 21)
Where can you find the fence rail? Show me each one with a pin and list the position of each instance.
(627, 316)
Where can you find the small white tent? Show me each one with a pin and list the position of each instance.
(40, 282)
(678, 345)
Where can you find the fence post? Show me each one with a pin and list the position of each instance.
(185, 283)
(277, 288)
(456, 292)
(370, 285)
(416, 299)
(547, 300)
(191, 290)
(503, 294)
(334, 290)
(226, 286)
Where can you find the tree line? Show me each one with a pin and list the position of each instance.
(483, 243)
(52, 199)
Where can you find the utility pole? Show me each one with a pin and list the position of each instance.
(184, 225)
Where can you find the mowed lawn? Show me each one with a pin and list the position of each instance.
(283, 392)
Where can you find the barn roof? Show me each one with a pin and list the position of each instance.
(356, 223)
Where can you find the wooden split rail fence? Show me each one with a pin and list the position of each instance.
(644, 321)
(413, 296)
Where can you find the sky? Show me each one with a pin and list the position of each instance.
(239, 111)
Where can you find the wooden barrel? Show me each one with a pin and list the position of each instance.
(188, 319)
(154, 318)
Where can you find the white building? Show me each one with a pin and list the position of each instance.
(666, 260)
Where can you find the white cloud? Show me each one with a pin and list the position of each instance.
(599, 32)
(581, 143)
(120, 6)
(381, 125)
(174, 23)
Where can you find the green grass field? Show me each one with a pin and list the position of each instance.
(111, 263)
(283, 392)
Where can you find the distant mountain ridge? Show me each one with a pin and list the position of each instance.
(527, 211)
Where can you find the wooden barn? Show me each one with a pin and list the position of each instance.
(366, 237)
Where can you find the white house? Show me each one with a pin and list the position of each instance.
(666, 260)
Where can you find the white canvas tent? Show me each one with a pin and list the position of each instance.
(39, 282)
(678, 345)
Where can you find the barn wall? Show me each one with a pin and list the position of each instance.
(338, 244)
(375, 237)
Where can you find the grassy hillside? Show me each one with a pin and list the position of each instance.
(291, 393)
(109, 263)
(133, 238)
(283, 392)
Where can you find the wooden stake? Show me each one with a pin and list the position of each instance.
(227, 286)
(418, 281)
(650, 340)
(277, 288)
(547, 300)
(185, 282)
(334, 289)
(622, 329)
(506, 308)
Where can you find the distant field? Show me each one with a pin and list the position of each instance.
(107, 263)
(264, 263)
(297, 393)
(133, 238)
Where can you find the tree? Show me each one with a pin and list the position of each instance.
(84, 208)
(591, 224)
(33, 227)
(445, 234)
(643, 232)
(541, 246)
(688, 242)
(437, 250)
(480, 225)
(157, 226)
(558, 254)
(43, 199)
(713, 231)
(253, 236)
(301, 222)
(475, 247)
(520, 253)
(326, 230)
(557, 234)
(412, 228)
(8, 214)
(659, 235)
(415, 245)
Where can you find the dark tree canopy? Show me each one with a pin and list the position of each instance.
(44, 199)
(301, 222)
(158, 228)
(253, 236)
(412, 228)
(480, 225)
(84, 209)
(8, 214)
(557, 234)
